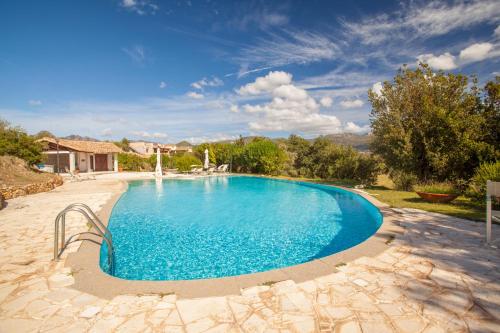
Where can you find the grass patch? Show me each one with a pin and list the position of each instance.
(438, 188)
(461, 207)
(383, 190)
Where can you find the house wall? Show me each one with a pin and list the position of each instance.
(82, 161)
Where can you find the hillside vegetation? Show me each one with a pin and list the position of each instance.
(15, 171)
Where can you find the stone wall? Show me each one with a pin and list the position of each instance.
(17, 191)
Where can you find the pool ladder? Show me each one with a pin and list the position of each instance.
(60, 243)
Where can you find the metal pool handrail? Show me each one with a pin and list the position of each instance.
(92, 218)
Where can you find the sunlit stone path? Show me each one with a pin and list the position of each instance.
(438, 276)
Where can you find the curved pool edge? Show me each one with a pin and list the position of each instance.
(91, 279)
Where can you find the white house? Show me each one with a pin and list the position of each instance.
(82, 156)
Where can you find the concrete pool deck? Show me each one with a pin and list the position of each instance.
(436, 275)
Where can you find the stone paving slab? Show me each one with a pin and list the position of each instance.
(438, 276)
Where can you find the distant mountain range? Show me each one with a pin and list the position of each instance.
(360, 142)
(79, 138)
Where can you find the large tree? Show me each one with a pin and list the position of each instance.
(430, 125)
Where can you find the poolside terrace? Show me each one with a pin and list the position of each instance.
(436, 275)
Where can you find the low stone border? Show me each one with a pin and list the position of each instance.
(91, 279)
(11, 192)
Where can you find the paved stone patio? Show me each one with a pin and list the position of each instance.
(438, 276)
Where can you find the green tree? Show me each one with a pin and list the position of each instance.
(43, 134)
(185, 162)
(124, 144)
(429, 124)
(15, 141)
(262, 156)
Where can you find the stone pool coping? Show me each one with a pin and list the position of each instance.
(91, 279)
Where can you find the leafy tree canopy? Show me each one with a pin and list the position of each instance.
(433, 125)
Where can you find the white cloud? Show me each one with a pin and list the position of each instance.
(195, 95)
(35, 102)
(352, 104)
(163, 85)
(290, 109)
(351, 127)
(146, 134)
(290, 47)
(141, 7)
(326, 101)
(266, 83)
(159, 135)
(377, 88)
(234, 108)
(136, 53)
(107, 132)
(445, 61)
(497, 31)
(214, 82)
(476, 52)
(262, 19)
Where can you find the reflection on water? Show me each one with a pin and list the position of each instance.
(159, 187)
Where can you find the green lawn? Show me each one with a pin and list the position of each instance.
(461, 207)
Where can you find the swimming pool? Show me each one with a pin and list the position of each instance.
(231, 225)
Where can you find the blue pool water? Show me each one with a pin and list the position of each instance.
(224, 226)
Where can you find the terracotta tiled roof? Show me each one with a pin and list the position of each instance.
(95, 147)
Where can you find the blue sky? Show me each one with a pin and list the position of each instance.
(209, 70)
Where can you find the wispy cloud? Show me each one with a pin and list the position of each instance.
(141, 7)
(261, 19)
(163, 85)
(35, 102)
(288, 47)
(137, 53)
(195, 95)
(147, 135)
(205, 82)
(423, 20)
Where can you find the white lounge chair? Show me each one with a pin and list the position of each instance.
(222, 168)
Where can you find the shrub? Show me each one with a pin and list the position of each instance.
(133, 162)
(403, 181)
(486, 171)
(263, 156)
(184, 162)
(438, 188)
(16, 142)
(166, 161)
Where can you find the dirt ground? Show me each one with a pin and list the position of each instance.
(15, 171)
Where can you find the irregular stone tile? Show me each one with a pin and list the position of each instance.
(409, 324)
(376, 326)
(192, 310)
(19, 325)
(254, 324)
(5, 290)
(90, 312)
(349, 327)
(199, 326)
(60, 280)
(105, 325)
(134, 324)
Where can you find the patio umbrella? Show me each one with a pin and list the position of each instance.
(158, 171)
(205, 165)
